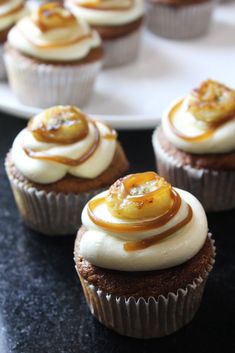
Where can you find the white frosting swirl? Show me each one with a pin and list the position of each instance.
(10, 12)
(105, 249)
(221, 141)
(49, 45)
(45, 171)
(107, 17)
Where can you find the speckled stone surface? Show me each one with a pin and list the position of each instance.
(42, 308)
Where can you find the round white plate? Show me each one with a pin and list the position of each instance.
(134, 96)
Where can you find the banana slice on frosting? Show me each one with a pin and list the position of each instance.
(60, 124)
(212, 102)
(139, 196)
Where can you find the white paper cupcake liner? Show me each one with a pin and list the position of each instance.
(215, 189)
(123, 50)
(181, 22)
(147, 318)
(49, 213)
(45, 85)
(3, 74)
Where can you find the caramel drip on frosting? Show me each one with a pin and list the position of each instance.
(134, 226)
(145, 243)
(212, 127)
(70, 161)
(13, 11)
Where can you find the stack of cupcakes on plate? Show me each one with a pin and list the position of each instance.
(195, 146)
(10, 12)
(52, 58)
(57, 163)
(143, 256)
(180, 19)
(119, 24)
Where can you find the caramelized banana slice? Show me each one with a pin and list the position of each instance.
(106, 4)
(53, 15)
(139, 196)
(60, 124)
(212, 102)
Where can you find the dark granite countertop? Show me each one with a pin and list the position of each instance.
(42, 308)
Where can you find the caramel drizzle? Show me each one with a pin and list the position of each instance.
(96, 7)
(205, 135)
(11, 12)
(143, 225)
(70, 161)
(135, 226)
(59, 45)
(145, 243)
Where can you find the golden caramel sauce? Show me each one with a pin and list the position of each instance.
(103, 5)
(145, 243)
(141, 225)
(11, 12)
(65, 160)
(52, 16)
(212, 127)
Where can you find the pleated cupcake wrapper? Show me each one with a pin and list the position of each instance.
(215, 189)
(45, 85)
(3, 74)
(122, 50)
(49, 213)
(147, 318)
(182, 22)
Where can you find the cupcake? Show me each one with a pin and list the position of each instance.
(52, 58)
(195, 146)
(119, 24)
(143, 255)
(10, 12)
(57, 163)
(180, 19)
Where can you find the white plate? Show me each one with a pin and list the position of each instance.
(134, 96)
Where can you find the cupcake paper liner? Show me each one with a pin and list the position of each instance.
(181, 22)
(147, 318)
(45, 85)
(49, 213)
(2, 64)
(122, 50)
(214, 188)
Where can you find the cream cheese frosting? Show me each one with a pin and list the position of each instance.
(49, 171)
(120, 12)
(10, 12)
(106, 249)
(63, 43)
(220, 141)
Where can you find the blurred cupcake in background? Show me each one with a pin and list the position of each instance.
(119, 24)
(180, 19)
(195, 146)
(143, 256)
(10, 12)
(52, 58)
(57, 163)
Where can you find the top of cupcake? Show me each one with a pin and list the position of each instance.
(52, 33)
(63, 140)
(203, 121)
(141, 223)
(10, 12)
(107, 12)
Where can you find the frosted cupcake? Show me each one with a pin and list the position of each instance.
(10, 12)
(52, 58)
(180, 19)
(143, 256)
(195, 147)
(119, 24)
(57, 163)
